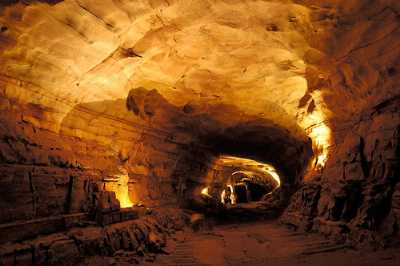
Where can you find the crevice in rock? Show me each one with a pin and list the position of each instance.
(107, 25)
(34, 194)
(68, 201)
(364, 162)
(353, 50)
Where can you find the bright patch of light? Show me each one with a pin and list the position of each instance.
(318, 130)
(122, 192)
(232, 196)
(204, 192)
(254, 168)
(262, 168)
(320, 135)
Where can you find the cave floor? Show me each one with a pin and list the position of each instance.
(256, 243)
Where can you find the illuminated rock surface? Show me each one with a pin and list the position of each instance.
(140, 97)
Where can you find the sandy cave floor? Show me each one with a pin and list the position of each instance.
(256, 243)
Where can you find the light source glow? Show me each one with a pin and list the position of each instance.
(204, 192)
(254, 167)
(262, 168)
(232, 196)
(122, 191)
(320, 135)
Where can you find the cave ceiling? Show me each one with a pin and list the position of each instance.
(266, 58)
(246, 53)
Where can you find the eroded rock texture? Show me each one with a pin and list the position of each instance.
(357, 187)
(136, 238)
(357, 192)
(154, 90)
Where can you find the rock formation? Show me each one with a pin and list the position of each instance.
(137, 99)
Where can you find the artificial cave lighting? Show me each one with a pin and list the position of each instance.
(255, 166)
(199, 132)
(231, 192)
(244, 180)
(204, 192)
(320, 134)
(316, 127)
(121, 191)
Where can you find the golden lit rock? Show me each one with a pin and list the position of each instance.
(126, 115)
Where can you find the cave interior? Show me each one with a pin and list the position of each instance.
(199, 132)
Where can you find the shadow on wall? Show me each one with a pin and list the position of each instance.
(217, 129)
(27, 2)
(167, 150)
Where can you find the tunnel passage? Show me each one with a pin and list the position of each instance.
(234, 180)
(237, 77)
(261, 158)
(244, 167)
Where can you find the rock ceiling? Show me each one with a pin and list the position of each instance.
(260, 56)
(249, 53)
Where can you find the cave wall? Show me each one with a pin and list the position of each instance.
(356, 192)
(355, 196)
(51, 154)
(366, 172)
(47, 166)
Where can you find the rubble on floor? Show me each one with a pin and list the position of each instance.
(138, 237)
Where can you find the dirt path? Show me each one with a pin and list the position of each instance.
(259, 243)
(266, 244)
